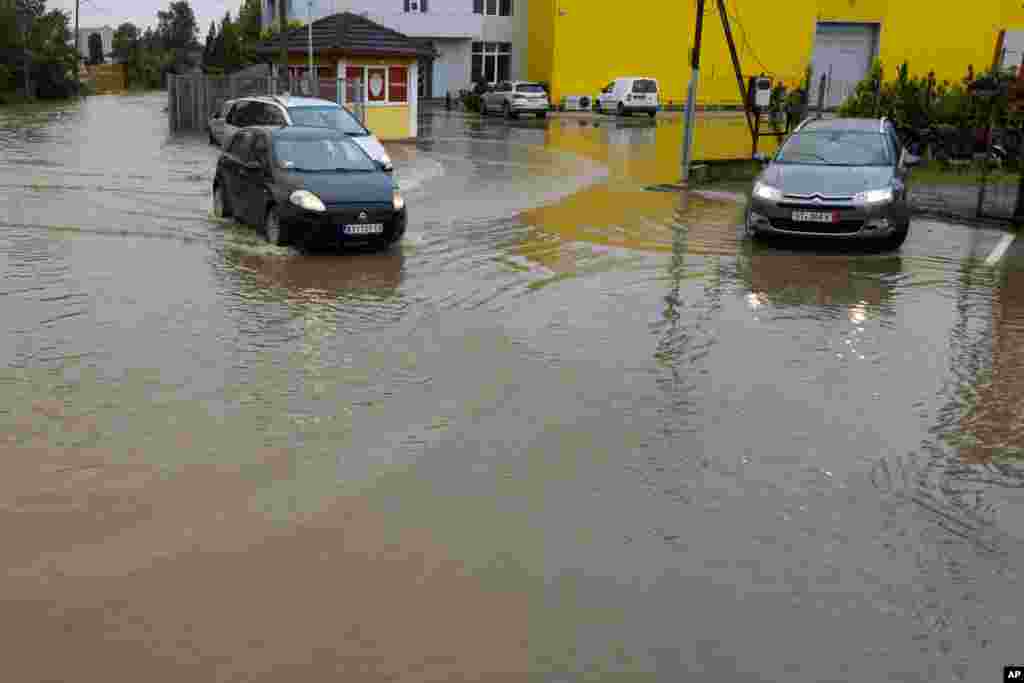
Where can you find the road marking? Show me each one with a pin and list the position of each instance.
(1000, 250)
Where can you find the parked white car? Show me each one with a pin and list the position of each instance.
(284, 110)
(627, 95)
(513, 98)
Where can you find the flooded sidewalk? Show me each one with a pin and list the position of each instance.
(571, 429)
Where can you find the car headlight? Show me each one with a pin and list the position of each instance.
(307, 200)
(874, 196)
(763, 191)
(398, 202)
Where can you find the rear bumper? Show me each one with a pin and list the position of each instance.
(529, 108)
(856, 221)
(328, 228)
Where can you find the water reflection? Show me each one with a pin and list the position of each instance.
(780, 278)
(325, 277)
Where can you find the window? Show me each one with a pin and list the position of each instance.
(493, 8)
(645, 85)
(415, 5)
(398, 84)
(836, 148)
(326, 117)
(240, 145)
(383, 85)
(245, 114)
(260, 150)
(321, 154)
(491, 62)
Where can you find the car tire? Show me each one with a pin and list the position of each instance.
(597, 106)
(213, 140)
(484, 111)
(897, 238)
(273, 230)
(542, 115)
(652, 114)
(509, 114)
(221, 207)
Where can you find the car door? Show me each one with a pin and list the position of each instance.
(254, 179)
(234, 178)
(235, 120)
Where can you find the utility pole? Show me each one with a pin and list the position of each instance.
(78, 55)
(282, 14)
(691, 99)
(309, 32)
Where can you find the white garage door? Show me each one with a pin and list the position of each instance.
(843, 52)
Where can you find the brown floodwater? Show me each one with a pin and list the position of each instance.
(570, 430)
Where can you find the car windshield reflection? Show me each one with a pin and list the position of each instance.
(330, 154)
(835, 148)
(335, 118)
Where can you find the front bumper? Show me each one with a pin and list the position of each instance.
(328, 228)
(855, 221)
(529, 107)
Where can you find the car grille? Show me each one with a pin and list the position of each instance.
(841, 228)
(344, 214)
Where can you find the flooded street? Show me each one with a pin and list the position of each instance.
(572, 429)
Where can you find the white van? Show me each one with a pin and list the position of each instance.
(627, 95)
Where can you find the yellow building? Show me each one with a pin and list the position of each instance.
(374, 66)
(579, 46)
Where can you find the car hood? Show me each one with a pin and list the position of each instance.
(341, 188)
(832, 181)
(371, 145)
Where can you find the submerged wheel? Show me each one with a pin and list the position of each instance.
(897, 238)
(221, 208)
(273, 230)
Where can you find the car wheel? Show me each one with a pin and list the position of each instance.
(484, 111)
(542, 115)
(897, 238)
(213, 140)
(652, 114)
(620, 110)
(273, 229)
(597, 106)
(508, 112)
(221, 208)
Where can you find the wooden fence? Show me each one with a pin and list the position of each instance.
(192, 98)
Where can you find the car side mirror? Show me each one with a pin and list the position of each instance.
(254, 165)
(911, 160)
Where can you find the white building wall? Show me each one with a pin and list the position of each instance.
(451, 23)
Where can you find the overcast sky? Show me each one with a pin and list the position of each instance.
(142, 13)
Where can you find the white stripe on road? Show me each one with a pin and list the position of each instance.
(1000, 250)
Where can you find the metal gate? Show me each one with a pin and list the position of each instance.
(192, 98)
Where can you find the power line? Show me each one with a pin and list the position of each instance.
(743, 34)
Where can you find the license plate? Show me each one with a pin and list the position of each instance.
(364, 229)
(816, 216)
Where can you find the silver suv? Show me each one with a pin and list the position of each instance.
(284, 110)
(513, 98)
(843, 178)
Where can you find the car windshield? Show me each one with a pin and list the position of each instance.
(321, 154)
(335, 118)
(645, 86)
(835, 148)
(529, 87)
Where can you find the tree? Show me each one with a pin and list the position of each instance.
(177, 26)
(211, 38)
(125, 40)
(95, 48)
(250, 21)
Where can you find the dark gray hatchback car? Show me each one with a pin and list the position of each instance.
(841, 178)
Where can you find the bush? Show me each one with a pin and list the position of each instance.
(917, 103)
(471, 101)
